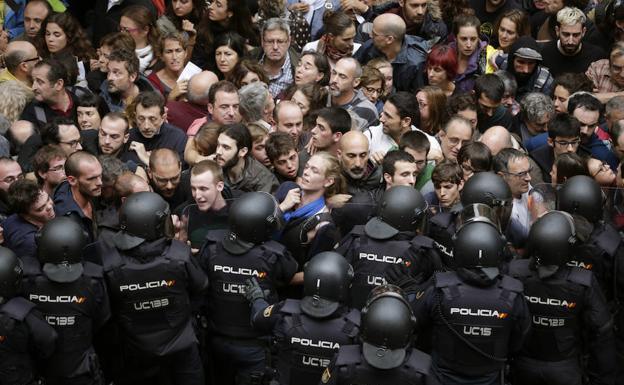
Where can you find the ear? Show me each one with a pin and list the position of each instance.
(328, 182)
(557, 30)
(149, 173)
(229, 14)
(402, 3)
(406, 121)
(243, 152)
(133, 77)
(337, 136)
(72, 180)
(550, 142)
(210, 108)
(220, 186)
(441, 134)
(461, 185)
(164, 116)
(584, 30)
(59, 84)
(126, 138)
(338, 153)
(356, 82)
(387, 178)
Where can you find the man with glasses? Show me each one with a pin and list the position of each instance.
(20, 59)
(166, 177)
(608, 74)
(49, 167)
(455, 133)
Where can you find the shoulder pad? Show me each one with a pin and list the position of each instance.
(214, 236)
(446, 278)
(17, 308)
(274, 247)
(519, 268)
(179, 250)
(348, 355)
(419, 361)
(31, 267)
(291, 306)
(443, 220)
(92, 270)
(354, 317)
(422, 242)
(110, 256)
(580, 276)
(608, 239)
(358, 230)
(512, 284)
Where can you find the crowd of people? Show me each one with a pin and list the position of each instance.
(335, 191)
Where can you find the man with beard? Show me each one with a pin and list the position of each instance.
(75, 196)
(343, 84)
(241, 171)
(422, 18)
(569, 53)
(123, 80)
(49, 167)
(10, 171)
(489, 90)
(524, 64)
(359, 172)
(166, 177)
(113, 136)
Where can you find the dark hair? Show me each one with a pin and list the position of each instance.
(50, 132)
(77, 42)
(573, 82)
(478, 154)
(491, 86)
(447, 171)
(22, 194)
(92, 100)
(279, 144)
(206, 138)
(148, 99)
(129, 58)
(223, 86)
(568, 165)
(244, 67)
(322, 65)
(520, 20)
(232, 40)
(388, 165)
(118, 40)
(415, 140)
(465, 20)
(316, 95)
(72, 164)
(461, 102)
(43, 156)
(57, 71)
(406, 104)
(336, 22)
(584, 100)
(194, 17)
(500, 162)
(338, 119)
(240, 133)
(563, 125)
(118, 115)
(240, 22)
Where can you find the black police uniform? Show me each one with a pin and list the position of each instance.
(564, 307)
(150, 286)
(23, 332)
(305, 345)
(237, 348)
(477, 323)
(77, 310)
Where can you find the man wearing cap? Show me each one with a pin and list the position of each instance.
(524, 64)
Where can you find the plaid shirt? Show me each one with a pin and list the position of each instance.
(280, 82)
(599, 72)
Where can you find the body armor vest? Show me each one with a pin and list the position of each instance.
(16, 366)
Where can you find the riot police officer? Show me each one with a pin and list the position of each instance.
(72, 296)
(384, 355)
(566, 303)
(479, 316)
(229, 258)
(151, 278)
(23, 331)
(309, 331)
(387, 239)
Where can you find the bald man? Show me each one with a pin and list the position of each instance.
(20, 58)
(360, 173)
(166, 177)
(181, 113)
(343, 88)
(405, 52)
(288, 118)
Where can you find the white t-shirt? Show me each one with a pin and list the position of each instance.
(378, 141)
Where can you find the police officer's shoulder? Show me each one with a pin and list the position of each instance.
(511, 284)
(608, 239)
(419, 361)
(214, 236)
(580, 276)
(179, 250)
(443, 220)
(348, 355)
(92, 270)
(291, 306)
(31, 267)
(354, 316)
(17, 308)
(446, 278)
(520, 269)
(357, 231)
(422, 242)
(274, 247)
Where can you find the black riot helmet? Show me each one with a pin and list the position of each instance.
(10, 274)
(253, 219)
(326, 282)
(581, 195)
(144, 216)
(551, 239)
(402, 208)
(60, 244)
(387, 327)
(479, 244)
(489, 189)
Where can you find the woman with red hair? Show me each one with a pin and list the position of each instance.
(441, 68)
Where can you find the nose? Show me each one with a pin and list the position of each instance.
(79, 146)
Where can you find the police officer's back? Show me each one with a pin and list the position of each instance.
(309, 331)
(479, 317)
(151, 278)
(229, 258)
(72, 296)
(25, 336)
(566, 303)
(384, 356)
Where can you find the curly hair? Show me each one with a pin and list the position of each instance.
(15, 97)
(77, 42)
(199, 6)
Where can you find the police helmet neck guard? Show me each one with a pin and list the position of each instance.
(479, 244)
(60, 244)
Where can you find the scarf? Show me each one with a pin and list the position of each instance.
(325, 48)
(305, 211)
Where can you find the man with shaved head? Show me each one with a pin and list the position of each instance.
(405, 52)
(166, 177)
(359, 172)
(288, 118)
(343, 88)
(181, 113)
(20, 59)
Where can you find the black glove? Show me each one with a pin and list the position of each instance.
(396, 273)
(253, 291)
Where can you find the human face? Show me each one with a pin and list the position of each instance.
(290, 121)
(524, 67)
(391, 121)
(218, 11)
(112, 135)
(9, 173)
(471, 116)
(103, 55)
(589, 121)
(518, 176)
(467, 41)
(258, 151)
(307, 72)
(342, 79)
(90, 179)
(405, 174)
(41, 210)
(55, 38)
(552, 6)
(507, 33)
(166, 178)
(56, 172)
(149, 120)
(563, 144)
(313, 178)
(226, 59)
(420, 158)
(44, 90)
(119, 80)
(414, 11)
(436, 75)
(389, 78)
(353, 158)
(34, 15)
(560, 98)
(287, 165)
(228, 154)
(539, 126)
(601, 172)
(487, 106)
(173, 55)
(301, 100)
(373, 91)
(69, 137)
(617, 70)
(451, 141)
(344, 41)
(250, 77)
(182, 8)
(225, 108)
(138, 34)
(570, 37)
(322, 136)
(205, 190)
(88, 118)
(448, 193)
(275, 44)
(423, 105)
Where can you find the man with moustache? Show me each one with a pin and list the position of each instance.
(343, 88)
(166, 177)
(524, 63)
(113, 137)
(359, 172)
(10, 171)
